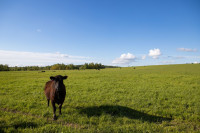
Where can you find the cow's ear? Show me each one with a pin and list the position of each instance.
(65, 77)
(52, 78)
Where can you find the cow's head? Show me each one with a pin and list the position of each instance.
(58, 78)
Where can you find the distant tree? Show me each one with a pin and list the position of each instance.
(83, 67)
(55, 67)
(92, 66)
(71, 67)
(4, 67)
(62, 66)
(47, 68)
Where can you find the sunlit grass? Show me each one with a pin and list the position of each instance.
(145, 99)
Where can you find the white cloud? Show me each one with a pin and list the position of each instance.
(144, 57)
(124, 59)
(14, 58)
(196, 62)
(154, 53)
(187, 49)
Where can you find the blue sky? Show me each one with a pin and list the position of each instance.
(111, 32)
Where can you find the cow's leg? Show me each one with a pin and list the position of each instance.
(54, 110)
(48, 102)
(60, 106)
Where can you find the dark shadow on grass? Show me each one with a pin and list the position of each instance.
(25, 125)
(2, 125)
(17, 125)
(1, 130)
(121, 111)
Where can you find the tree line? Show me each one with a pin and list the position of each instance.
(62, 66)
(77, 67)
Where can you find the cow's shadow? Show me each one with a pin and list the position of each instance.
(120, 111)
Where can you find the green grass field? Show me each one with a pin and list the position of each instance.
(145, 99)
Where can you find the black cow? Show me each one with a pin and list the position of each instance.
(55, 91)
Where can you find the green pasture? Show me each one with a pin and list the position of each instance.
(144, 99)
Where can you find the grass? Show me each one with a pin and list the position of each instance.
(145, 99)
